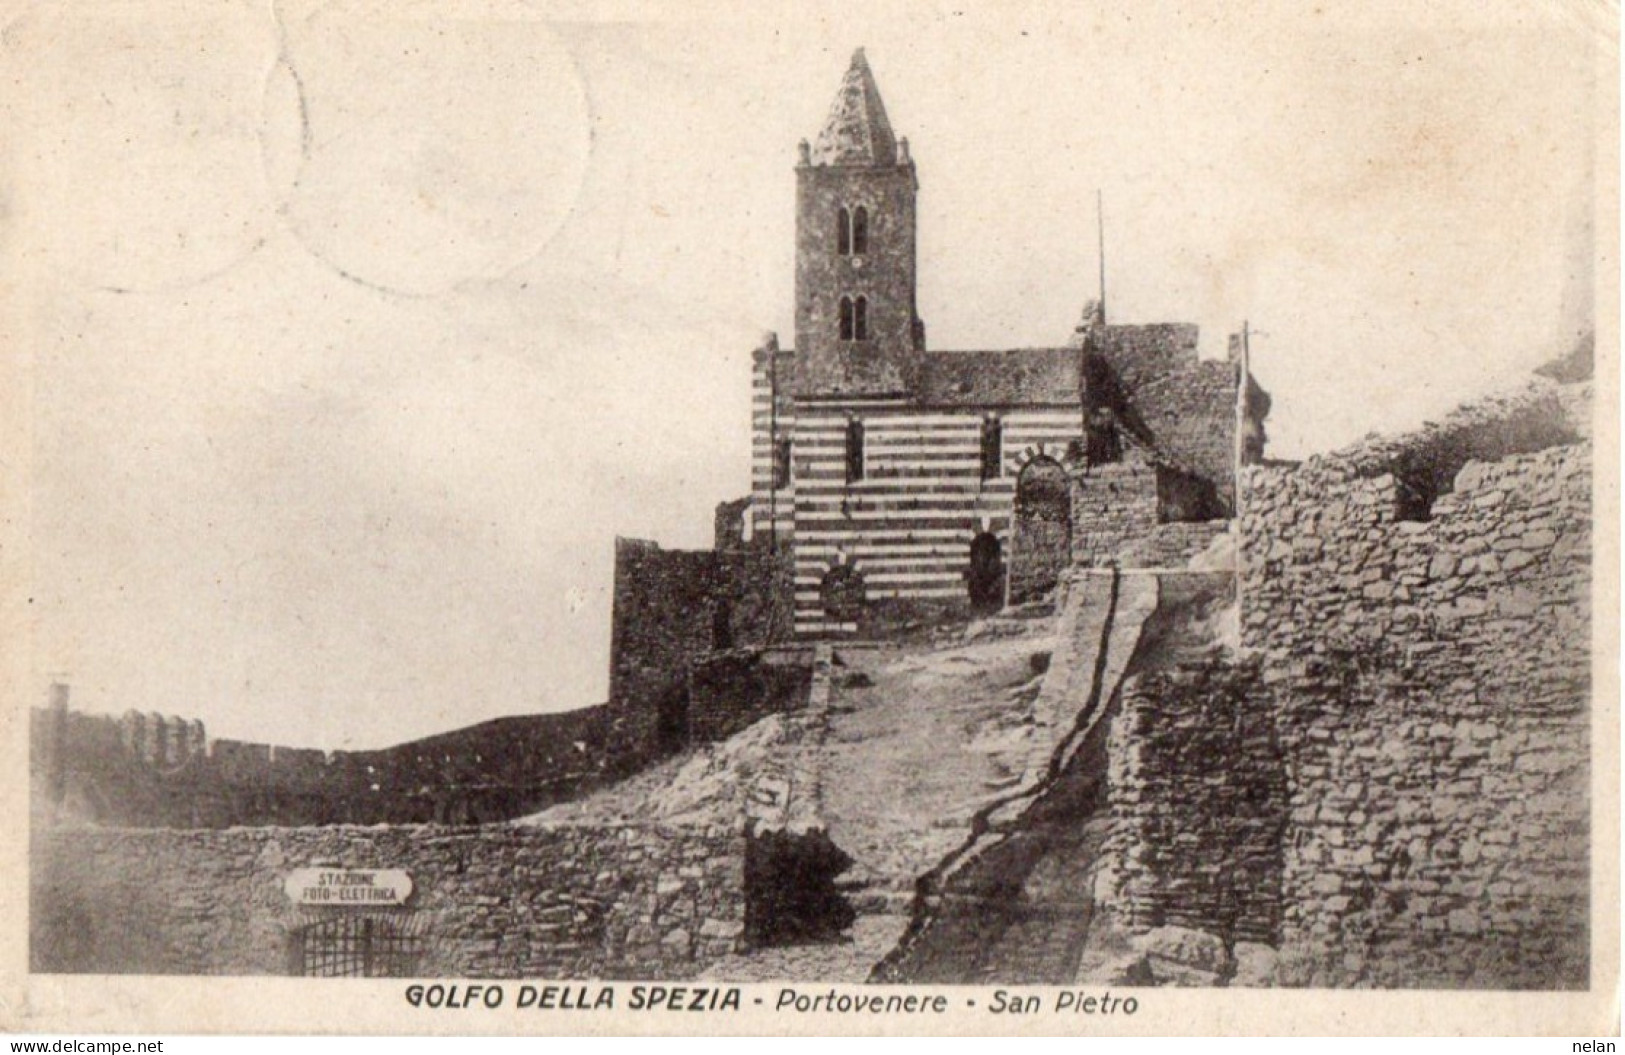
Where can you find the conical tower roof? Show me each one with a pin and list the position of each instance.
(857, 131)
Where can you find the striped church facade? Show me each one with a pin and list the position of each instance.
(905, 519)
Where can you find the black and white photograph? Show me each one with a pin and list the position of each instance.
(1005, 517)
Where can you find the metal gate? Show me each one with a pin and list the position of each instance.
(352, 946)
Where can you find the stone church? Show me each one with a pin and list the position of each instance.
(896, 488)
(903, 482)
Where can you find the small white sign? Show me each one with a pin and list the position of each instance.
(348, 887)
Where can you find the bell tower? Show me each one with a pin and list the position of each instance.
(857, 333)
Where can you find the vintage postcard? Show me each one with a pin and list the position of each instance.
(565, 517)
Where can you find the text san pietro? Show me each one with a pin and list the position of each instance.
(1067, 1001)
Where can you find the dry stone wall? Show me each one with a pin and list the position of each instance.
(1431, 678)
(1197, 793)
(500, 901)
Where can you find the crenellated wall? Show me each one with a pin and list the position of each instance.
(162, 740)
(107, 770)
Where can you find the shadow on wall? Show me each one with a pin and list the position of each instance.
(790, 892)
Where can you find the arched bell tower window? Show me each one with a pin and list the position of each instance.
(854, 318)
(851, 231)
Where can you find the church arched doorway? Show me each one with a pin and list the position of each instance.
(985, 579)
(1042, 544)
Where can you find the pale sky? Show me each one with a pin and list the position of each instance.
(360, 330)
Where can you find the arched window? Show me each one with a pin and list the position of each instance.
(860, 231)
(1043, 492)
(843, 232)
(992, 447)
(846, 318)
(854, 450)
(860, 319)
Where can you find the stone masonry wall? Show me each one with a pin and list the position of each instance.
(1432, 684)
(731, 690)
(888, 361)
(1188, 404)
(500, 901)
(672, 607)
(1197, 793)
(1111, 504)
(661, 617)
(1170, 545)
(1117, 516)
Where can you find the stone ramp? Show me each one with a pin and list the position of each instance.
(921, 739)
(1012, 903)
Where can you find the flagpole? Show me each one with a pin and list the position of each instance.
(1100, 240)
